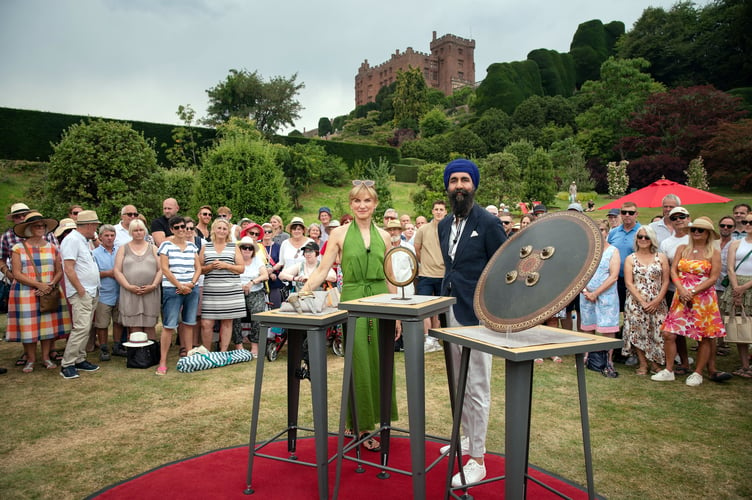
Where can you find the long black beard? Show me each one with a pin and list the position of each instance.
(462, 201)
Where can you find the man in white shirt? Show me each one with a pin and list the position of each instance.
(82, 290)
(663, 228)
(127, 214)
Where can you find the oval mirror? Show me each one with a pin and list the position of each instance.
(400, 267)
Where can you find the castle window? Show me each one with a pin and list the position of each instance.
(459, 63)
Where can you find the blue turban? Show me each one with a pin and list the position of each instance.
(462, 165)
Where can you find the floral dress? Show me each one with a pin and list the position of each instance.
(641, 329)
(703, 318)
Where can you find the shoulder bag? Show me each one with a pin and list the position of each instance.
(725, 281)
(49, 302)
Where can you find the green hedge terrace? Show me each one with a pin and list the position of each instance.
(28, 135)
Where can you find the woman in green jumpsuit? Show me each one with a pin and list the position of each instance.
(362, 246)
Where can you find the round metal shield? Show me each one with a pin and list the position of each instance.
(538, 271)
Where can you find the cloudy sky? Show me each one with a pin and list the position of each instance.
(141, 59)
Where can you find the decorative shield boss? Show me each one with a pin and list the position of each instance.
(538, 271)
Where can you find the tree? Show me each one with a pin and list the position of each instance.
(592, 44)
(697, 177)
(300, 163)
(325, 126)
(102, 165)
(679, 122)
(433, 123)
(609, 103)
(493, 127)
(730, 152)
(272, 105)
(539, 177)
(184, 153)
(508, 84)
(410, 99)
(241, 172)
(569, 164)
(502, 180)
(431, 187)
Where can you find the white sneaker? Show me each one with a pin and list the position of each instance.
(431, 345)
(663, 376)
(464, 446)
(694, 380)
(474, 472)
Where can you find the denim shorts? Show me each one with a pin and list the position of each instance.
(172, 302)
(429, 286)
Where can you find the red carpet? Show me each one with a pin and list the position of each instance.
(222, 474)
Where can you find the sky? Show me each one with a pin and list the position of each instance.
(141, 59)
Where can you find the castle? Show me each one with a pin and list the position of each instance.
(449, 66)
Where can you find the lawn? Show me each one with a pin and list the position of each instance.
(66, 439)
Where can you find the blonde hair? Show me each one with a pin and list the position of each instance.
(281, 224)
(370, 190)
(709, 246)
(214, 225)
(137, 224)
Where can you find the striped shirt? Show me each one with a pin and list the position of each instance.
(180, 262)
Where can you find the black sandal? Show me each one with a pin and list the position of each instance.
(183, 352)
(681, 370)
(22, 360)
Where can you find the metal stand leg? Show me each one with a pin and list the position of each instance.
(386, 381)
(584, 419)
(518, 387)
(254, 421)
(317, 358)
(294, 356)
(457, 399)
(345, 406)
(412, 335)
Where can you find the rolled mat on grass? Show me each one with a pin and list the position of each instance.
(222, 474)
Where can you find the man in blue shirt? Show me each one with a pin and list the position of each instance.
(109, 291)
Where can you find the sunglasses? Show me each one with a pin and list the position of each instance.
(727, 226)
(254, 233)
(628, 212)
(745, 222)
(642, 237)
(366, 183)
(179, 226)
(506, 222)
(698, 230)
(189, 228)
(206, 214)
(246, 248)
(387, 217)
(223, 216)
(131, 214)
(677, 217)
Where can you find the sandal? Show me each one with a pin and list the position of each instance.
(22, 360)
(183, 352)
(556, 359)
(371, 444)
(538, 361)
(743, 372)
(162, 370)
(56, 356)
(641, 371)
(49, 364)
(29, 367)
(719, 376)
(681, 370)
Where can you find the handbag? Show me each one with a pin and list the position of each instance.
(49, 302)
(738, 328)
(143, 357)
(206, 360)
(725, 282)
(316, 303)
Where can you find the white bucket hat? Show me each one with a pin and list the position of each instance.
(138, 339)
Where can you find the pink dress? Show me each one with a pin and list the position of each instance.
(703, 318)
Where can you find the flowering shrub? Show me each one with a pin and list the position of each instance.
(697, 176)
(618, 180)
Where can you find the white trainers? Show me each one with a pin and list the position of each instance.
(474, 472)
(694, 380)
(464, 446)
(663, 376)
(431, 345)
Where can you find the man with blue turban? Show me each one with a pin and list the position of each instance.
(468, 240)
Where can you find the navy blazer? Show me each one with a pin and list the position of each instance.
(482, 235)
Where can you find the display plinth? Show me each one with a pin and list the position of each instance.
(388, 308)
(518, 391)
(298, 326)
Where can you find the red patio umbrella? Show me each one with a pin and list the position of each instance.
(652, 195)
